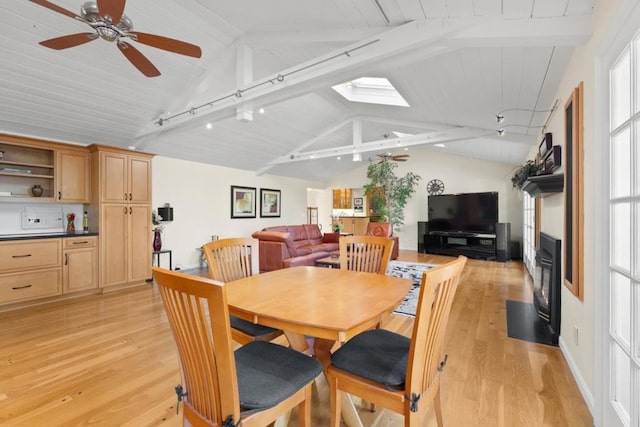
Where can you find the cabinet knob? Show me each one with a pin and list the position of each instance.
(59, 195)
(15, 288)
(130, 196)
(66, 259)
(130, 210)
(125, 210)
(125, 196)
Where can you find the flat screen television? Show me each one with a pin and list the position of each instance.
(466, 212)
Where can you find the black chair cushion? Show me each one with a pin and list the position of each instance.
(249, 328)
(269, 373)
(378, 355)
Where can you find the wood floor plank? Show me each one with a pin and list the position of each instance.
(110, 360)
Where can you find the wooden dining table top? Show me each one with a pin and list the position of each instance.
(333, 304)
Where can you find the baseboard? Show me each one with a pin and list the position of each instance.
(582, 385)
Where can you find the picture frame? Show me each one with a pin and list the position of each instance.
(357, 201)
(545, 145)
(243, 202)
(270, 203)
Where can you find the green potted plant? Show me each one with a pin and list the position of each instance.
(390, 192)
(523, 173)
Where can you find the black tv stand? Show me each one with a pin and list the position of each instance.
(454, 243)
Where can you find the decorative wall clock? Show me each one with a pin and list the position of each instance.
(435, 186)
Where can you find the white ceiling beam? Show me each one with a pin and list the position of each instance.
(322, 70)
(555, 31)
(310, 142)
(435, 137)
(244, 77)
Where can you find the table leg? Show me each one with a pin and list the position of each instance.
(297, 341)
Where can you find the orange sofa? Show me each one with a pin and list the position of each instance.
(292, 245)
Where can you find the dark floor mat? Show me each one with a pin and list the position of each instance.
(523, 323)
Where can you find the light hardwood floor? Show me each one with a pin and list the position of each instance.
(109, 360)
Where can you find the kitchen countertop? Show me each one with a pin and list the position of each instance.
(9, 237)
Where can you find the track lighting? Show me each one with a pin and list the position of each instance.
(500, 115)
(280, 77)
(501, 130)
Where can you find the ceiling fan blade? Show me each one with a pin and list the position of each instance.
(56, 8)
(138, 59)
(71, 40)
(112, 8)
(165, 43)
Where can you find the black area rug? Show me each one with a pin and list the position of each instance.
(524, 324)
(413, 271)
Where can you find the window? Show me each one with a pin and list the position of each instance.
(573, 193)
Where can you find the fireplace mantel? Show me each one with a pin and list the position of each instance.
(544, 185)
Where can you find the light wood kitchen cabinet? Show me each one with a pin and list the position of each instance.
(342, 198)
(123, 209)
(126, 244)
(73, 176)
(80, 264)
(30, 269)
(353, 225)
(125, 178)
(61, 172)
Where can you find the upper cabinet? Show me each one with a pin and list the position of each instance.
(342, 198)
(73, 176)
(126, 178)
(41, 171)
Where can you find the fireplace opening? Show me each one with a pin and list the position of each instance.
(547, 284)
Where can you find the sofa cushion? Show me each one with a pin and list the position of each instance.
(313, 231)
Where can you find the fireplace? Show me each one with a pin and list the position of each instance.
(547, 284)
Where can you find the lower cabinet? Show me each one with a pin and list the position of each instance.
(80, 264)
(125, 244)
(30, 269)
(18, 287)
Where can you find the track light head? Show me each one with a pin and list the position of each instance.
(500, 131)
(499, 118)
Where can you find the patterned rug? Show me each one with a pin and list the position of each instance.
(413, 271)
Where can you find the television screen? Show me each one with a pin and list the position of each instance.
(467, 212)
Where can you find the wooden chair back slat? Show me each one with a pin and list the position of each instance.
(232, 259)
(370, 254)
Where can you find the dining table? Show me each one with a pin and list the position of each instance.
(323, 306)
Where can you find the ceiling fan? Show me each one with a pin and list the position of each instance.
(107, 19)
(385, 157)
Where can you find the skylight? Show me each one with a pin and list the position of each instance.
(371, 90)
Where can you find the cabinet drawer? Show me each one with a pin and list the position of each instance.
(30, 254)
(34, 284)
(79, 242)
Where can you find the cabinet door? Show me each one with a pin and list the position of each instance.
(347, 225)
(72, 174)
(80, 270)
(113, 244)
(139, 180)
(360, 226)
(140, 246)
(114, 178)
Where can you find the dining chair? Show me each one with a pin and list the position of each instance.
(393, 371)
(232, 259)
(370, 254)
(252, 386)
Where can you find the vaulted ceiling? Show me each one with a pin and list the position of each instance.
(456, 62)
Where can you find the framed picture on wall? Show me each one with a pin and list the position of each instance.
(243, 202)
(270, 203)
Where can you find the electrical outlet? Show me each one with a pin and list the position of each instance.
(576, 335)
(42, 218)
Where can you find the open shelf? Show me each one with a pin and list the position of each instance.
(544, 185)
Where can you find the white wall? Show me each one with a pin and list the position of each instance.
(575, 313)
(459, 175)
(200, 195)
